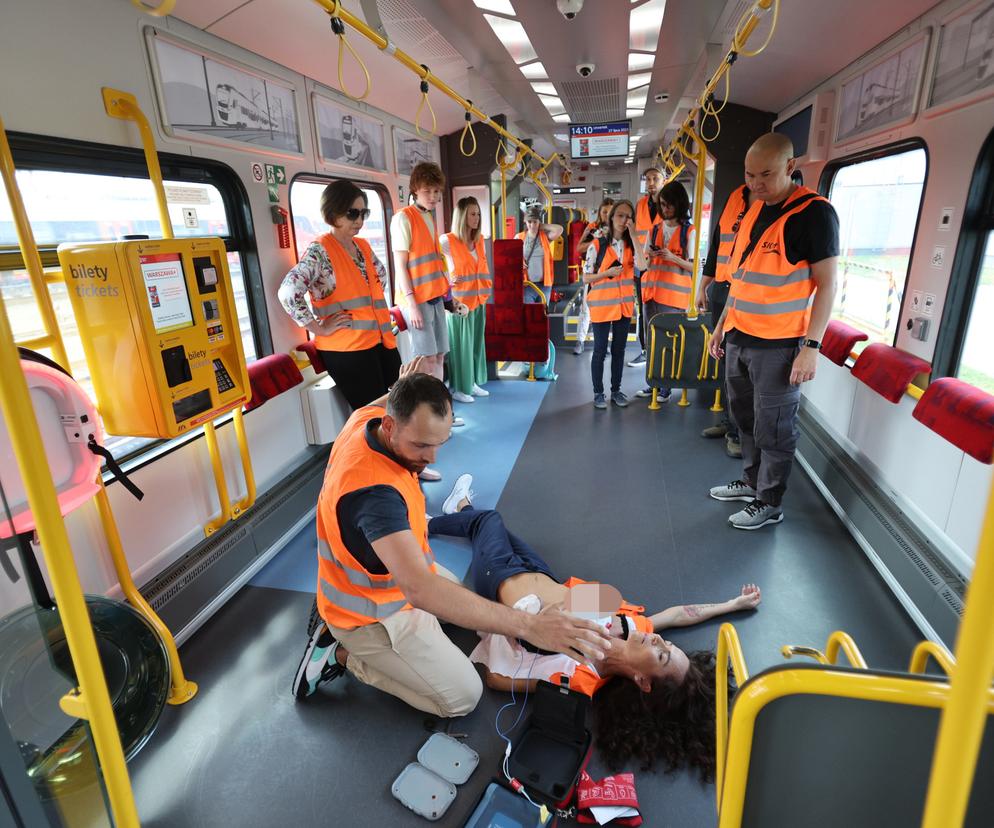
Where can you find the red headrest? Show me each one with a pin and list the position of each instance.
(888, 371)
(271, 376)
(962, 414)
(839, 340)
(310, 350)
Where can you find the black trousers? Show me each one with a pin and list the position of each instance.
(717, 297)
(642, 321)
(362, 376)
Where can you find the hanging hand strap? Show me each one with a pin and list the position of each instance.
(115, 469)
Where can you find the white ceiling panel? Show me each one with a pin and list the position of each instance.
(201, 13)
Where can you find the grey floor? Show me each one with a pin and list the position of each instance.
(617, 496)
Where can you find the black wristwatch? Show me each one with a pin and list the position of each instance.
(812, 343)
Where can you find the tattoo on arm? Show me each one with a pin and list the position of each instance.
(697, 610)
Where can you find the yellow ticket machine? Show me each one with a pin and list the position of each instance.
(160, 331)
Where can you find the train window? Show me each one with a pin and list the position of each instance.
(976, 365)
(878, 199)
(68, 206)
(308, 224)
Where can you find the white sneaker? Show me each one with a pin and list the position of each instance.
(460, 397)
(430, 476)
(480, 392)
(458, 421)
(460, 491)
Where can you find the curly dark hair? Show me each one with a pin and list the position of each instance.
(673, 723)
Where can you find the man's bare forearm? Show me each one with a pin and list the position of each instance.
(458, 605)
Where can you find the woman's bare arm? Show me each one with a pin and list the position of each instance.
(685, 616)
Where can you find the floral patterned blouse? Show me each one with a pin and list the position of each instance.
(313, 276)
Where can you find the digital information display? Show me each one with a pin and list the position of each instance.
(165, 288)
(599, 140)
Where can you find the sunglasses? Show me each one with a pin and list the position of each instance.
(354, 213)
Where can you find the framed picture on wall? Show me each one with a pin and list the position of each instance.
(964, 66)
(410, 150)
(884, 95)
(208, 98)
(348, 137)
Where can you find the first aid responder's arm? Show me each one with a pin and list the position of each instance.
(554, 631)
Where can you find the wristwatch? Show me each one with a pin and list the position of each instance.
(812, 343)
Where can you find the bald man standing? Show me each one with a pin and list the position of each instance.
(783, 285)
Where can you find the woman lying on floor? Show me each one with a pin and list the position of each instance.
(651, 700)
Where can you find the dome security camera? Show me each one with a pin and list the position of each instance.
(569, 8)
(585, 70)
(660, 97)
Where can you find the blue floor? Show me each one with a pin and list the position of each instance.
(487, 447)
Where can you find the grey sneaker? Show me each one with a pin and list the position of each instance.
(600, 401)
(318, 664)
(620, 399)
(756, 515)
(639, 360)
(714, 431)
(736, 490)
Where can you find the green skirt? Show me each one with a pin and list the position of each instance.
(467, 350)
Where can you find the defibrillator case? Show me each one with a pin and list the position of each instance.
(554, 745)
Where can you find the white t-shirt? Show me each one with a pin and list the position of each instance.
(591, 260)
(668, 234)
(400, 229)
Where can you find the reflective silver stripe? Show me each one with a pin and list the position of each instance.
(726, 237)
(428, 277)
(386, 327)
(469, 294)
(621, 300)
(348, 304)
(381, 304)
(754, 277)
(668, 286)
(772, 308)
(364, 325)
(358, 605)
(354, 576)
(723, 259)
(420, 260)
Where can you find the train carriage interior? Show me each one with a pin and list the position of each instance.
(167, 416)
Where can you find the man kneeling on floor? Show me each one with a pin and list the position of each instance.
(380, 592)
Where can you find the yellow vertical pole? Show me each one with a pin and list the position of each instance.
(29, 251)
(716, 406)
(701, 160)
(92, 702)
(503, 201)
(965, 715)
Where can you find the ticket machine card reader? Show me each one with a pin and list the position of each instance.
(160, 331)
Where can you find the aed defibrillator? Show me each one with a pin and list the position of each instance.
(159, 327)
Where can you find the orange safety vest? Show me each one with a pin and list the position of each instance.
(612, 299)
(586, 680)
(547, 272)
(362, 296)
(349, 595)
(425, 263)
(728, 225)
(770, 297)
(476, 291)
(666, 282)
(643, 222)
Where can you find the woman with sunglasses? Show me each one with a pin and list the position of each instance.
(337, 292)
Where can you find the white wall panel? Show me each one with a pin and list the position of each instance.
(969, 502)
(831, 394)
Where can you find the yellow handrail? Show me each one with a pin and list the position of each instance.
(92, 701)
(941, 656)
(838, 642)
(335, 9)
(962, 725)
(32, 261)
(729, 650)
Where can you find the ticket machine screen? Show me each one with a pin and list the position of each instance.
(165, 288)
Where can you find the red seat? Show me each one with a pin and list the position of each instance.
(888, 371)
(515, 331)
(310, 350)
(839, 340)
(271, 376)
(960, 413)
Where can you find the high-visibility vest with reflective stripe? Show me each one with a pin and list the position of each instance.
(666, 282)
(770, 297)
(349, 595)
(362, 296)
(425, 263)
(476, 291)
(548, 274)
(731, 218)
(644, 222)
(584, 679)
(612, 299)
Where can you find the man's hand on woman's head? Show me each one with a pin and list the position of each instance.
(749, 598)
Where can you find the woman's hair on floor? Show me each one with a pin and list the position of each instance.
(673, 724)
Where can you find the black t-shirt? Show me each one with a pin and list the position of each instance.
(810, 235)
(368, 514)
